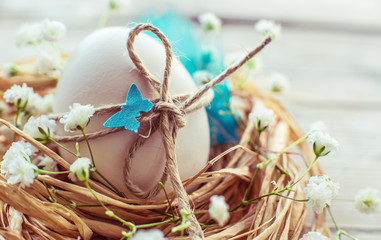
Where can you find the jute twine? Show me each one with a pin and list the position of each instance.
(168, 117)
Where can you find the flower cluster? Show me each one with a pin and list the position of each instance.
(25, 99)
(10, 70)
(367, 200)
(33, 34)
(218, 209)
(17, 166)
(323, 143)
(41, 128)
(262, 118)
(278, 83)
(320, 191)
(78, 117)
(43, 36)
(268, 28)
(210, 22)
(80, 170)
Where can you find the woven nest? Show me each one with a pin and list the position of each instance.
(30, 214)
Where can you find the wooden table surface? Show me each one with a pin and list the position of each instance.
(330, 50)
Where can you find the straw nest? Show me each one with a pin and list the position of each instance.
(30, 214)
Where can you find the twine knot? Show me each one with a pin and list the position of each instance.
(175, 114)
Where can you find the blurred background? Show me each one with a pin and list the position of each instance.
(329, 51)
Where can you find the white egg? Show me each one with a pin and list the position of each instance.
(100, 72)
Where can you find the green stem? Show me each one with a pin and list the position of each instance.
(286, 149)
(333, 219)
(109, 212)
(156, 224)
(166, 196)
(51, 198)
(294, 199)
(305, 173)
(88, 145)
(40, 171)
(115, 189)
(62, 146)
(250, 185)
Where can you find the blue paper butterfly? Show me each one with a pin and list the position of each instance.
(126, 117)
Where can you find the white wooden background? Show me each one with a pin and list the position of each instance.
(330, 50)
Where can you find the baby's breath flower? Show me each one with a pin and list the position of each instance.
(218, 209)
(18, 95)
(262, 118)
(28, 34)
(210, 22)
(20, 171)
(314, 236)
(152, 234)
(202, 77)
(41, 128)
(49, 63)
(323, 143)
(10, 70)
(367, 200)
(78, 117)
(16, 165)
(80, 170)
(52, 30)
(320, 191)
(17, 149)
(47, 163)
(278, 83)
(268, 28)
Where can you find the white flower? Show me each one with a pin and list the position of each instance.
(320, 191)
(323, 143)
(367, 200)
(10, 70)
(278, 83)
(218, 209)
(80, 170)
(268, 28)
(314, 236)
(202, 77)
(78, 117)
(49, 63)
(262, 118)
(16, 165)
(210, 22)
(152, 234)
(18, 95)
(47, 163)
(41, 128)
(28, 34)
(19, 170)
(17, 149)
(52, 30)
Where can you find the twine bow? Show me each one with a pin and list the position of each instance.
(171, 119)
